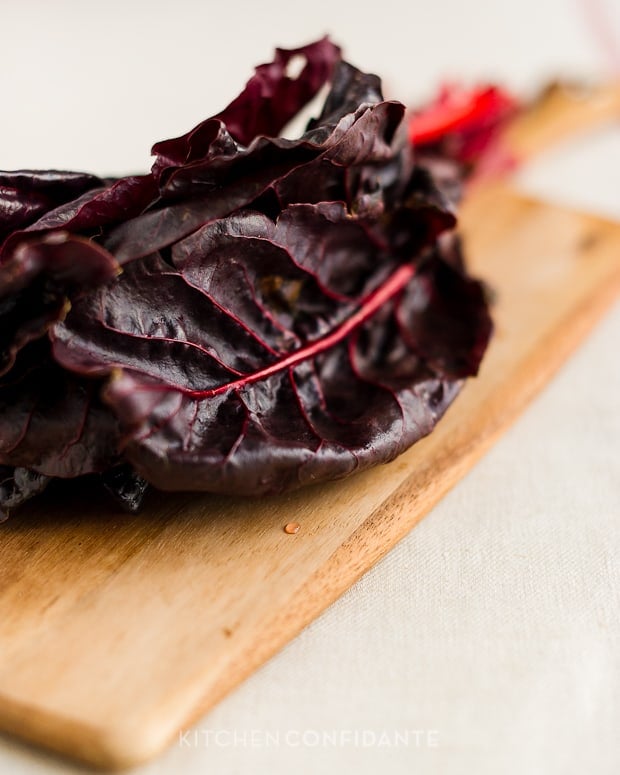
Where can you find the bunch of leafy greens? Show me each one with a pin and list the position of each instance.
(255, 314)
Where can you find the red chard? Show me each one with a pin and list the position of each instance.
(256, 313)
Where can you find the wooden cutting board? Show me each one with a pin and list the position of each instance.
(116, 631)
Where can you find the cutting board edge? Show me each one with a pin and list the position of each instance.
(67, 738)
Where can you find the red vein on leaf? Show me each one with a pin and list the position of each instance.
(171, 340)
(23, 433)
(227, 313)
(80, 431)
(369, 306)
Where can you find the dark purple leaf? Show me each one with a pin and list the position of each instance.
(218, 177)
(271, 98)
(273, 355)
(36, 282)
(53, 422)
(436, 312)
(25, 195)
(93, 211)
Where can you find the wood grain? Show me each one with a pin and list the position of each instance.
(116, 632)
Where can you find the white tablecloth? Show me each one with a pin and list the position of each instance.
(488, 641)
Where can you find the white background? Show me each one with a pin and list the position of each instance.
(495, 626)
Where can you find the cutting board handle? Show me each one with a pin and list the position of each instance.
(562, 111)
